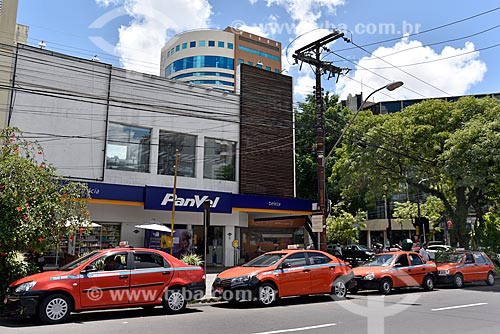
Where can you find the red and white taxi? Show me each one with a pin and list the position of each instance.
(111, 278)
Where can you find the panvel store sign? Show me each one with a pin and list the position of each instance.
(159, 198)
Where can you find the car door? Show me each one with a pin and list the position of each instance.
(417, 269)
(151, 273)
(296, 277)
(482, 267)
(400, 274)
(470, 268)
(323, 272)
(107, 286)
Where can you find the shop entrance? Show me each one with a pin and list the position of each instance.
(215, 244)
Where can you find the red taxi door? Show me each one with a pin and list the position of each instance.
(150, 274)
(323, 272)
(470, 269)
(109, 285)
(295, 279)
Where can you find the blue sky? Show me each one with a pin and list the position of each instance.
(456, 59)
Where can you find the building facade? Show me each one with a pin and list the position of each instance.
(210, 57)
(121, 132)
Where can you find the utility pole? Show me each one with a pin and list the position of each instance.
(311, 54)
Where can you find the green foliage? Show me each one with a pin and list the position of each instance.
(488, 235)
(192, 259)
(13, 267)
(343, 227)
(35, 204)
(450, 150)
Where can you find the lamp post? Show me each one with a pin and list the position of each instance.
(390, 87)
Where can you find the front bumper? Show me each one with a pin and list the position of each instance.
(363, 284)
(444, 279)
(25, 304)
(226, 290)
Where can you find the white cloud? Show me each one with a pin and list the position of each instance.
(449, 74)
(140, 43)
(306, 15)
(106, 3)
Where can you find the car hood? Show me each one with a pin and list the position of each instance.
(43, 276)
(363, 271)
(243, 271)
(446, 265)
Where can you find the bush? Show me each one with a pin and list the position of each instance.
(14, 266)
(192, 259)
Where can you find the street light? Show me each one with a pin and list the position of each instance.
(390, 87)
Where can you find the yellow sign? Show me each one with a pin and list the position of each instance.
(166, 241)
(236, 243)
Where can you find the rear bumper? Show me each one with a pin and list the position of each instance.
(196, 290)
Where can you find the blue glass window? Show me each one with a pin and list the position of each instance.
(168, 54)
(259, 53)
(241, 61)
(172, 51)
(211, 43)
(276, 71)
(250, 63)
(202, 43)
(212, 82)
(199, 62)
(184, 46)
(128, 148)
(192, 44)
(199, 74)
(220, 44)
(258, 65)
(177, 48)
(230, 46)
(268, 68)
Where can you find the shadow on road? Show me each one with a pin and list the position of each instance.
(91, 316)
(284, 302)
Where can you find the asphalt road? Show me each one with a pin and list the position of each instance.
(474, 309)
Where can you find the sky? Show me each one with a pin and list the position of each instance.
(437, 48)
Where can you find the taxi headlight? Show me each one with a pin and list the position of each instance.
(369, 277)
(444, 272)
(242, 279)
(25, 287)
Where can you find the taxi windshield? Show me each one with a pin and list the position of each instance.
(265, 260)
(381, 260)
(73, 264)
(448, 258)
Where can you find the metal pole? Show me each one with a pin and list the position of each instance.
(173, 202)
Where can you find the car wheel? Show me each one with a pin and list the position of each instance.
(267, 295)
(490, 280)
(458, 280)
(174, 302)
(428, 283)
(385, 286)
(54, 309)
(339, 289)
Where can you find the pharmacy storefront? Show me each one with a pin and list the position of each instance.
(238, 223)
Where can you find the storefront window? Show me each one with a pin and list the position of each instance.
(128, 148)
(219, 159)
(186, 144)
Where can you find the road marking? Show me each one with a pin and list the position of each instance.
(459, 306)
(296, 329)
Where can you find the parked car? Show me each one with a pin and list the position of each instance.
(356, 254)
(460, 267)
(111, 278)
(434, 249)
(283, 273)
(394, 270)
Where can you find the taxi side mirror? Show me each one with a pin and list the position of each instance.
(286, 265)
(88, 269)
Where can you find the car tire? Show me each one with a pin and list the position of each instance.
(458, 280)
(55, 308)
(428, 283)
(490, 279)
(339, 289)
(267, 295)
(385, 287)
(174, 301)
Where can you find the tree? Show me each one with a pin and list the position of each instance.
(343, 227)
(305, 144)
(450, 150)
(35, 204)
